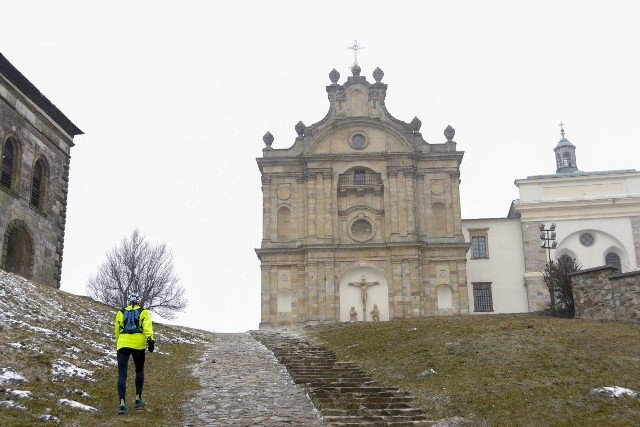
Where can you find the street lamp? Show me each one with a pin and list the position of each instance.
(548, 238)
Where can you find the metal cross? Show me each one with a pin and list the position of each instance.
(561, 128)
(355, 49)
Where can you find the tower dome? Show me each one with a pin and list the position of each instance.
(565, 154)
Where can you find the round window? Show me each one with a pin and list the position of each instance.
(361, 230)
(358, 141)
(586, 239)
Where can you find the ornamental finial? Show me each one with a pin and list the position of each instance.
(268, 139)
(449, 133)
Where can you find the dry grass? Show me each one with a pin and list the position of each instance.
(40, 326)
(501, 370)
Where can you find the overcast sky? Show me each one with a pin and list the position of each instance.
(174, 97)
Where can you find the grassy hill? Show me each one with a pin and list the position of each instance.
(58, 365)
(501, 370)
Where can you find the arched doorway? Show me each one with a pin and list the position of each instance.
(364, 281)
(18, 250)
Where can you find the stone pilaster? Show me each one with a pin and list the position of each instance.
(455, 202)
(311, 204)
(393, 199)
(402, 202)
(410, 201)
(327, 203)
(266, 211)
(301, 208)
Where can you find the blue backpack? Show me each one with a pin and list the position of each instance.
(131, 321)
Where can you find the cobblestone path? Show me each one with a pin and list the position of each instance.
(244, 385)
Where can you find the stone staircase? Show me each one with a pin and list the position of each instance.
(343, 394)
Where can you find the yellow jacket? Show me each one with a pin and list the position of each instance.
(136, 341)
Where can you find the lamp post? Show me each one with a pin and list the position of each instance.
(548, 238)
(548, 242)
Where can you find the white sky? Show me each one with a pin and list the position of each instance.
(174, 98)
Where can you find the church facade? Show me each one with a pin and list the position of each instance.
(361, 217)
(35, 142)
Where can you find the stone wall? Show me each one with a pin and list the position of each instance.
(603, 293)
(32, 233)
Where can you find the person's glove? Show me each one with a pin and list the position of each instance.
(151, 345)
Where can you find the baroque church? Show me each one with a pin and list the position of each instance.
(361, 212)
(35, 142)
(362, 222)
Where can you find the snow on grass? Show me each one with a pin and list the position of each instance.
(10, 404)
(615, 391)
(18, 394)
(10, 376)
(77, 405)
(62, 369)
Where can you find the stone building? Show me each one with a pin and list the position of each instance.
(35, 142)
(360, 210)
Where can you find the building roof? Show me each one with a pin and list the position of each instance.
(580, 173)
(12, 74)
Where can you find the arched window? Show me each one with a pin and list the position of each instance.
(566, 159)
(38, 183)
(613, 259)
(9, 159)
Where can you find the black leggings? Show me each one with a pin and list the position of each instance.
(123, 365)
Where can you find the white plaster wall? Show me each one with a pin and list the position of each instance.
(350, 295)
(505, 266)
(608, 233)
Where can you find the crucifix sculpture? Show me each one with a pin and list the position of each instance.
(363, 285)
(355, 48)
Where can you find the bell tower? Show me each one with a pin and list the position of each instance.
(565, 154)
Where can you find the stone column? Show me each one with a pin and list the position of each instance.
(273, 294)
(410, 202)
(266, 214)
(301, 291)
(320, 205)
(312, 289)
(327, 202)
(393, 199)
(265, 296)
(311, 205)
(396, 284)
(301, 209)
(402, 202)
(455, 194)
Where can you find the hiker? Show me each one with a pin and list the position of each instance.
(134, 332)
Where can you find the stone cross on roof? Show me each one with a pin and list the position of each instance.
(356, 47)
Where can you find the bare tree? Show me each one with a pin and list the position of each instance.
(137, 266)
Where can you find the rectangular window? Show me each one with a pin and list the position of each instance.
(482, 300)
(479, 246)
(359, 177)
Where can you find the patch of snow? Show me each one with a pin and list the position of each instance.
(77, 405)
(10, 404)
(77, 391)
(62, 369)
(9, 376)
(615, 391)
(49, 418)
(16, 345)
(19, 394)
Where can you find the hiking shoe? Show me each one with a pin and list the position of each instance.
(140, 404)
(122, 410)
